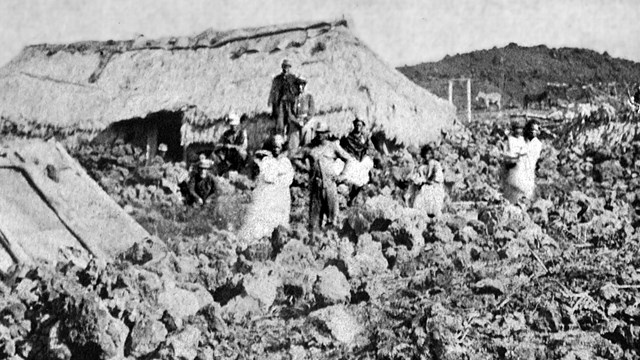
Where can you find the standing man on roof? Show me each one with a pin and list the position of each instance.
(281, 97)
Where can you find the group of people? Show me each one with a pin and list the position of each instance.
(292, 108)
(303, 142)
(519, 160)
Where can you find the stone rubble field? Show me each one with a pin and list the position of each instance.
(487, 280)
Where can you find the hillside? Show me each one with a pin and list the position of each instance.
(515, 71)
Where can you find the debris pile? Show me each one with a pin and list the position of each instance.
(486, 280)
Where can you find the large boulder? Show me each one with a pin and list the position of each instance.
(298, 267)
(146, 335)
(407, 230)
(89, 328)
(262, 284)
(182, 345)
(368, 260)
(181, 303)
(343, 326)
(238, 308)
(332, 287)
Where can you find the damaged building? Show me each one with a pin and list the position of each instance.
(178, 90)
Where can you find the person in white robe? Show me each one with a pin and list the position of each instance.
(271, 199)
(520, 180)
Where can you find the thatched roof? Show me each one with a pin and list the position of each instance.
(50, 209)
(89, 85)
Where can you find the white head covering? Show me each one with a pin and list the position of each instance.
(233, 118)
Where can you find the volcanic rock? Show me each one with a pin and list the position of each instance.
(179, 302)
(297, 265)
(239, 307)
(146, 336)
(332, 287)
(489, 286)
(343, 326)
(89, 327)
(212, 314)
(368, 260)
(438, 232)
(467, 235)
(262, 284)
(182, 345)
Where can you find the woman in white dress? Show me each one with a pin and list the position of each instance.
(523, 153)
(271, 200)
(430, 180)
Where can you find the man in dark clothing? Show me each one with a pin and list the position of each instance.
(357, 143)
(232, 151)
(201, 185)
(301, 113)
(281, 97)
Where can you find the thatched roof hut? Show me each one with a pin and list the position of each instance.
(89, 85)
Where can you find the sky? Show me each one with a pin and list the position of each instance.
(402, 32)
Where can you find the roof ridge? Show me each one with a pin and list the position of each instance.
(207, 39)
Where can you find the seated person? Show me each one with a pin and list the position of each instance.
(232, 150)
(201, 185)
(152, 173)
(159, 159)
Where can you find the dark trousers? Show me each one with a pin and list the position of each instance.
(323, 203)
(281, 114)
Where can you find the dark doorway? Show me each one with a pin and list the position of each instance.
(168, 125)
(146, 134)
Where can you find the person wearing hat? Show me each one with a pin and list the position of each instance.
(159, 159)
(202, 184)
(232, 151)
(320, 160)
(301, 113)
(271, 199)
(283, 90)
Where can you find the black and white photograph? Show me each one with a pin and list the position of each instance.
(319, 179)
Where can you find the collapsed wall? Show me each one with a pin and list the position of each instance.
(52, 210)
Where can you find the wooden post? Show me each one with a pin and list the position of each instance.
(469, 100)
(451, 91)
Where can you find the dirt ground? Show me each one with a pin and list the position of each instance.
(555, 279)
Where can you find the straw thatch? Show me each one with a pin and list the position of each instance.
(90, 85)
(50, 209)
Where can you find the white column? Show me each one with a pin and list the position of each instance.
(469, 100)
